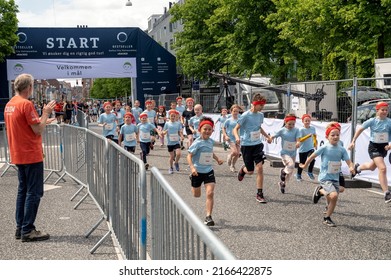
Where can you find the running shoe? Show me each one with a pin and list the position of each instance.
(241, 173)
(298, 178)
(260, 198)
(209, 221)
(328, 222)
(176, 166)
(312, 177)
(356, 171)
(387, 197)
(171, 170)
(317, 195)
(282, 174)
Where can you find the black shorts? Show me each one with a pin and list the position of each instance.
(130, 149)
(171, 148)
(206, 178)
(252, 154)
(377, 150)
(188, 131)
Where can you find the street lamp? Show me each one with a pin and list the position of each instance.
(128, 3)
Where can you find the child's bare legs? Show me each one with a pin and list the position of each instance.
(171, 160)
(209, 196)
(189, 140)
(377, 162)
(234, 153)
(259, 180)
(289, 164)
(177, 155)
(161, 137)
(331, 201)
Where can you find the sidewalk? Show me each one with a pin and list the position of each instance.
(67, 227)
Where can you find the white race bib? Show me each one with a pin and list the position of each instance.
(119, 115)
(380, 137)
(255, 136)
(206, 158)
(151, 120)
(145, 135)
(130, 137)
(109, 126)
(334, 167)
(174, 137)
(289, 146)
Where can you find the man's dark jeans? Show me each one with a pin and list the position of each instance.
(30, 191)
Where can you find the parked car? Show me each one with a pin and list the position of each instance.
(364, 94)
(367, 110)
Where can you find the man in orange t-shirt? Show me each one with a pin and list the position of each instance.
(24, 129)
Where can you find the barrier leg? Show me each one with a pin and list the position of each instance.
(100, 242)
(81, 200)
(77, 193)
(8, 167)
(95, 226)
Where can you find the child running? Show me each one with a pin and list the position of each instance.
(331, 155)
(195, 120)
(109, 122)
(378, 145)
(307, 147)
(173, 130)
(129, 133)
(186, 115)
(228, 136)
(160, 120)
(222, 119)
(200, 158)
(250, 126)
(144, 137)
(289, 143)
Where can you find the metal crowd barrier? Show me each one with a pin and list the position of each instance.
(4, 154)
(115, 180)
(52, 149)
(82, 119)
(176, 232)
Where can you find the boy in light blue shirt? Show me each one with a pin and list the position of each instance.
(108, 121)
(128, 134)
(331, 155)
(249, 125)
(174, 131)
(200, 159)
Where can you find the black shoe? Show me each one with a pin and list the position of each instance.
(260, 198)
(208, 221)
(355, 170)
(282, 186)
(35, 235)
(387, 197)
(146, 166)
(241, 173)
(317, 195)
(328, 222)
(18, 233)
(282, 175)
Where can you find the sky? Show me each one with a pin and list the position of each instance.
(93, 13)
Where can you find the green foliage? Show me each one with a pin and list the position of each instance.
(285, 39)
(110, 88)
(8, 27)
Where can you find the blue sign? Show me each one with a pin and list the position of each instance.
(156, 67)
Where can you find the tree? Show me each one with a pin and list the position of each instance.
(110, 88)
(8, 27)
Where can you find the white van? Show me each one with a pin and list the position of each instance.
(272, 106)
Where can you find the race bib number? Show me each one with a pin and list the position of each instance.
(174, 137)
(109, 126)
(151, 120)
(119, 115)
(380, 137)
(255, 136)
(145, 135)
(160, 121)
(206, 158)
(289, 146)
(130, 137)
(334, 167)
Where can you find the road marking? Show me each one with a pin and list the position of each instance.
(50, 187)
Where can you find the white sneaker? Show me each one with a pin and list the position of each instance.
(232, 168)
(171, 171)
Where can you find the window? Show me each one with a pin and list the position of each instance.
(387, 82)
